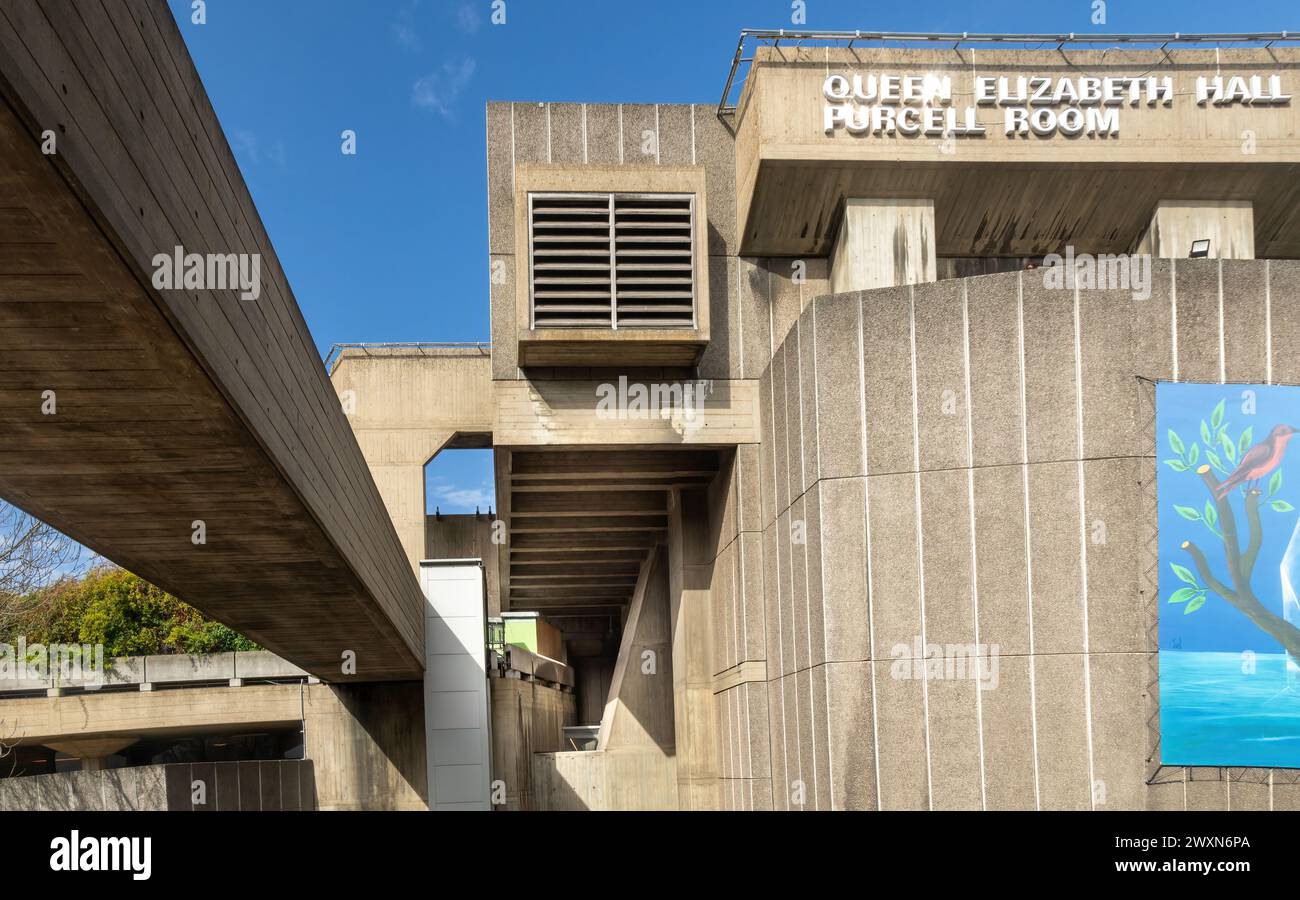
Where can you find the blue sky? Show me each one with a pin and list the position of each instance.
(391, 244)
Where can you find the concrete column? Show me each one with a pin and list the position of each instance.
(690, 572)
(1229, 226)
(883, 243)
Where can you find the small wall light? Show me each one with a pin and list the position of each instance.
(1200, 250)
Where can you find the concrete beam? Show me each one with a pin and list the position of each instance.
(883, 243)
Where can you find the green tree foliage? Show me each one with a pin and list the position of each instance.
(126, 614)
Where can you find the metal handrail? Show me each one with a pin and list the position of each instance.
(1267, 39)
(332, 358)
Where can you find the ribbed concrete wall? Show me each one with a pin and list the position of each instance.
(972, 461)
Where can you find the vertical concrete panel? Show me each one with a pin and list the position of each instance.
(505, 349)
(807, 739)
(851, 762)
(1283, 288)
(799, 611)
(767, 449)
(954, 744)
(794, 411)
(748, 487)
(1062, 731)
(1119, 729)
(786, 604)
(750, 592)
(721, 358)
(821, 735)
(847, 629)
(1197, 285)
(1286, 791)
(715, 150)
(839, 386)
(1152, 332)
(945, 518)
(894, 585)
(772, 600)
(786, 298)
(900, 730)
(794, 761)
(1112, 399)
(603, 138)
(754, 315)
(1009, 737)
(809, 376)
(994, 369)
(1001, 559)
(566, 133)
(1244, 319)
(1206, 789)
(640, 134)
(531, 133)
(757, 737)
(722, 607)
(500, 179)
(1048, 316)
(887, 364)
(1117, 609)
(815, 576)
(776, 728)
(940, 374)
(1248, 789)
(1054, 545)
(676, 138)
(780, 418)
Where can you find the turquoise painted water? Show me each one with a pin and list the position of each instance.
(1214, 714)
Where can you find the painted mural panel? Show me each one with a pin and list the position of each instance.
(1227, 485)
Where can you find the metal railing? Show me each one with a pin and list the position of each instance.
(774, 37)
(336, 351)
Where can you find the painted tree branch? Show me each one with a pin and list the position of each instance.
(1241, 566)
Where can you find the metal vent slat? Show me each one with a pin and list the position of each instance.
(612, 260)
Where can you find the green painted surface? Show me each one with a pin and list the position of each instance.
(522, 633)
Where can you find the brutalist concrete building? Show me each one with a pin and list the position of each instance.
(825, 434)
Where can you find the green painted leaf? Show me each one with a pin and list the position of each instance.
(1194, 605)
(1205, 434)
(1182, 595)
(1229, 448)
(1187, 513)
(1175, 442)
(1275, 483)
(1194, 455)
(1176, 464)
(1184, 574)
(1211, 514)
(1213, 459)
(1281, 506)
(1246, 437)
(1216, 417)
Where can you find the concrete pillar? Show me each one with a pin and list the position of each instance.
(690, 574)
(1229, 226)
(93, 750)
(883, 243)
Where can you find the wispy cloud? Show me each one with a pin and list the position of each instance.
(438, 90)
(247, 144)
(405, 35)
(450, 497)
(468, 19)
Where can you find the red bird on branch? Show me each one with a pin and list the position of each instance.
(1257, 462)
